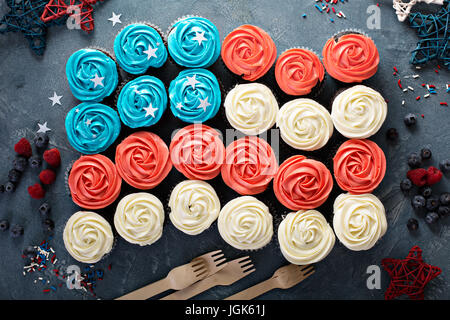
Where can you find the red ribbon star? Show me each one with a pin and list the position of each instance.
(409, 276)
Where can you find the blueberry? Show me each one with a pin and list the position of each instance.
(443, 211)
(48, 225)
(392, 134)
(432, 203)
(410, 119)
(16, 231)
(41, 140)
(406, 185)
(431, 217)
(444, 199)
(14, 175)
(425, 153)
(4, 225)
(44, 209)
(2, 188)
(426, 191)
(414, 160)
(35, 162)
(412, 224)
(20, 163)
(10, 187)
(30, 252)
(444, 165)
(418, 202)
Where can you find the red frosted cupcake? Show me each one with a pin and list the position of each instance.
(302, 183)
(142, 160)
(350, 57)
(359, 166)
(250, 165)
(248, 51)
(197, 151)
(299, 72)
(94, 182)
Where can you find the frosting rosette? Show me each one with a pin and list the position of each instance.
(92, 127)
(142, 160)
(298, 71)
(92, 75)
(94, 182)
(251, 108)
(142, 102)
(139, 218)
(359, 166)
(352, 57)
(138, 47)
(250, 165)
(305, 237)
(87, 237)
(194, 42)
(302, 183)
(305, 124)
(359, 221)
(245, 223)
(248, 51)
(195, 95)
(358, 112)
(197, 151)
(194, 206)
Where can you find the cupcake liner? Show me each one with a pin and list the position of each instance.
(66, 177)
(343, 32)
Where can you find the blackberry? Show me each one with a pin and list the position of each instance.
(392, 134)
(418, 202)
(16, 231)
(426, 191)
(20, 163)
(444, 165)
(48, 225)
(431, 217)
(410, 119)
(444, 199)
(412, 224)
(35, 162)
(44, 210)
(14, 175)
(443, 211)
(41, 140)
(406, 185)
(414, 160)
(432, 203)
(10, 187)
(425, 153)
(4, 225)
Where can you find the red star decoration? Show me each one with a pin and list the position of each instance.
(409, 276)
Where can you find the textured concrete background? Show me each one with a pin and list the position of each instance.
(27, 81)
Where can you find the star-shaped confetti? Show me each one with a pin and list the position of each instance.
(43, 128)
(203, 103)
(409, 276)
(88, 122)
(98, 81)
(179, 106)
(115, 18)
(150, 52)
(55, 99)
(199, 37)
(192, 81)
(150, 111)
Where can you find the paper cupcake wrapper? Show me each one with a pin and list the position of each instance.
(340, 33)
(66, 178)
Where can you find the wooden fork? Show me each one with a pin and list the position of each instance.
(232, 272)
(284, 278)
(181, 277)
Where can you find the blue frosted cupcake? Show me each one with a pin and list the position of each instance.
(194, 42)
(195, 95)
(92, 75)
(138, 47)
(92, 127)
(142, 102)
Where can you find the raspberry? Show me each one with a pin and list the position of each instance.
(23, 148)
(47, 176)
(52, 157)
(36, 191)
(418, 176)
(434, 175)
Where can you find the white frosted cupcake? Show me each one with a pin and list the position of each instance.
(305, 237)
(251, 108)
(194, 206)
(245, 223)
(305, 124)
(88, 236)
(139, 218)
(359, 220)
(358, 112)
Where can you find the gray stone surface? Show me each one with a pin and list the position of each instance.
(27, 81)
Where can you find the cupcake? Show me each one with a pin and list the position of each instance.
(94, 182)
(251, 108)
(92, 127)
(194, 42)
(195, 95)
(197, 151)
(302, 183)
(92, 75)
(350, 57)
(142, 102)
(359, 221)
(305, 124)
(248, 51)
(138, 47)
(305, 237)
(359, 166)
(250, 165)
(194, 206)
(139, 218)
(88, 237)
(299, 72)
(245, 223)
(358, 112)
(142, 160)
